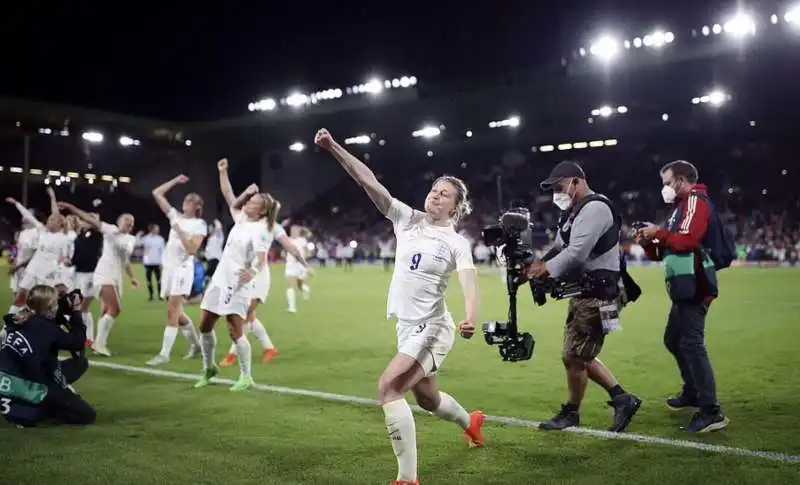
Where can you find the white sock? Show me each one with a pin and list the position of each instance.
(3, 334)
(88, 320)
(403, 434)
(450, 410)
(104, 329)
(306, 290)
(190, 332)
(245, 353)
(291, 298)
(208, 343)
(170, 333)
(232, 350)
(261, 334)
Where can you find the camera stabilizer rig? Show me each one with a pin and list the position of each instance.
(514, 235)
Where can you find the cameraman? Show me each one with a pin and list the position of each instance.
(587, 244)
(34, 385)
(692, 286)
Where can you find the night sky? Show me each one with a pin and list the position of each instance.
(207, 61)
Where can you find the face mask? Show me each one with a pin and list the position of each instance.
(562, 200)
(668, 194)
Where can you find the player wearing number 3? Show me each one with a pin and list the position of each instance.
(239, 274)
(428, 250)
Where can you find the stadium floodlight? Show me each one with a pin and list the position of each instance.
(92, 137)
(127, 141)
(427, 132)
(297, 147)
(658, 39)
(188, 143)
(358, 140)
(606, 48)
(373, 86)
(604, 111)
(297, 99)
(45, 131)
(266, 104)
(511, 122)
(792, 16)
(715, 98)
(740, 25)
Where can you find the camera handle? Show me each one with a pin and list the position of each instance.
(512, 288)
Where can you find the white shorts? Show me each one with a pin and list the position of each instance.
(33, 278)
(427, 342)
(85, 283)
(227, 300)
(177, 280)
(99, 280)
(296, 270)
(259, 287)
(66, 276)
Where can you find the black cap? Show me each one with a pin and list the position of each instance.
(564, 170)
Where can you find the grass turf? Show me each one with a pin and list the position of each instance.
(159, 430)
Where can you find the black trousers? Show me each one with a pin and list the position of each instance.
(60, 406)
(150, 271)
(685, 339)
(211, 267)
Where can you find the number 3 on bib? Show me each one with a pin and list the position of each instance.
(5, 406)
(415, 259)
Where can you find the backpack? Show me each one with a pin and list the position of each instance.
(718, 240)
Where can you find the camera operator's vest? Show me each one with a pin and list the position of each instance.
(605, 243)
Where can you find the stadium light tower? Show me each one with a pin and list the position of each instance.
(427, 132)
(792, 16)
(92, 137)
(740, 25)
(605, 48)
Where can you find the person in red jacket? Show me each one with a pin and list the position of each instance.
(692, 284)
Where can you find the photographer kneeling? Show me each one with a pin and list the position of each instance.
(587, 246)
(35, 386)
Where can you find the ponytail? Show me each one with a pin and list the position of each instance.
(271, 211)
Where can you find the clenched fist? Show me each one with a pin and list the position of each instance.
(222, 165)
(323, 139)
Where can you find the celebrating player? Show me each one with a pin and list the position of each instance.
(177, 278)
(428, 250)
(118, 244)
(268, 207)
(297, 274)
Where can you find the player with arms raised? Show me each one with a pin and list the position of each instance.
(118, 244)
(297, 274)
(186, 235)
(428, 250)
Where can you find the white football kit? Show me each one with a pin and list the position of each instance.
(117, 250)
(51, 249)
(261, 283)
(425, 258)
(177, 275)
(26, 246)
(225, 295)
(66, 274)
(293, 267)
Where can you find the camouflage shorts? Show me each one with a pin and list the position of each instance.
(583, 332)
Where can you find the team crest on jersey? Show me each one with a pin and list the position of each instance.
(441, 254)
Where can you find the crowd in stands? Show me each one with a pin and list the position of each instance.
(751, 183)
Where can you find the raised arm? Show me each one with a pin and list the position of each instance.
(225, 183)
(85, 216)
(160, 192)
(25, 213)
(379, 195)
(53, 202)
(242, 199)
(290, 248)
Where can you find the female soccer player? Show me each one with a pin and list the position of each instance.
(118, 244)
(295, 273)
(177, 278)
(25, 241)
(261, 283)
(428, 250)
(51, 247)
(66, 275)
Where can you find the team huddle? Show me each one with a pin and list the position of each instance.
(428, 251)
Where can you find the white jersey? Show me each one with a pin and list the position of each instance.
(71, 236)
(302, 244)
(26, 243)
(216, 240)
(117, 250)
(426, 257)
(153, 249)
(245, 240)
(174, 253)
(51, 249)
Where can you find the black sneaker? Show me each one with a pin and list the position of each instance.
(566, 418)
(706, 422)
(681, 402)
(625, 408)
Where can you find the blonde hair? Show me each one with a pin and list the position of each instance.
(463, 205)
(198, 201)
(124, 217)
(271, 209)
(42, 301)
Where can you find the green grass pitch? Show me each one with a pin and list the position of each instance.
(158, 430)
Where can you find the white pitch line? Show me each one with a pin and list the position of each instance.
(650, 440)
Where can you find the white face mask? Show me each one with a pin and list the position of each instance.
(562, 200)
(668, 194)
